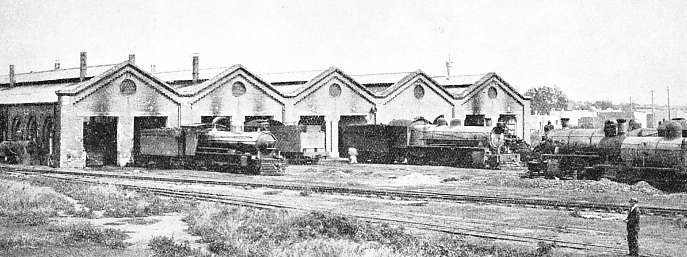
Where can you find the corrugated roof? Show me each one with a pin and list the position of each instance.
(458, 80)
(44, 93)
(286, 89)
(180, 75)
(380, 78)
(52, 75)
(296, 76)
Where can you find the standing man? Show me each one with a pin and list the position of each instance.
(548, 127)
(633, 227)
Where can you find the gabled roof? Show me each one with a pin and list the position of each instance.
(77, 88)
(309, 87)
(55, 75)
(484, 82)
(202, 89)
(405, 82)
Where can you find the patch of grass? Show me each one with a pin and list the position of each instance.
(112, 201)
(166, 247)
(32, 205)
(334, 247)
(86, 233)
(20, 242)
(235, 231)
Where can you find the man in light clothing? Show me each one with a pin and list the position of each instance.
(353, 155)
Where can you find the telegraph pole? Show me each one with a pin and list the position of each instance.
(668, 103)
(652, 108)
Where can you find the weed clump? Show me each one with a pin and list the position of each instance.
(87, 233)
(32, 205)
(166, 247)
(236, 231)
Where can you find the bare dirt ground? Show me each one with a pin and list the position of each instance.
(660, 236)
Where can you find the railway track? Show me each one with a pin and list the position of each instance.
(374, 216)
(386, 193)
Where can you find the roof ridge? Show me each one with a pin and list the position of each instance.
(385, 73)
(289, 72)
(211, 68)
(53, 70)
(462, 75)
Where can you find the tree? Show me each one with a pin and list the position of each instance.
(546, 98)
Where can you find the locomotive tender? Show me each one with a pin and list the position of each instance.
(614, 153)
(209, 147)
(420, 142)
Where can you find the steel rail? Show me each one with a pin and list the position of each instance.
(407, 194)
(252, 203)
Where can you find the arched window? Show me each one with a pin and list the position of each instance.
(3, 128)
(32, 130)
(16, 129)
(419, 92)
(334, 90)
(48, 135)
(238, 89)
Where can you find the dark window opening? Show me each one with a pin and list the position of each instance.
(474, 120)
(16, 129)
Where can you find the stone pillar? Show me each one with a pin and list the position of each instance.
(125, 139)
(332, 135)
(69, 135)
(186, 114)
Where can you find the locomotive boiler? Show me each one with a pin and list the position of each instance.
(420, 142)
(200, 146)
(567, 153)
(658, 157)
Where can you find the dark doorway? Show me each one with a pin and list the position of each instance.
(474, 120)
(346, 121)
(100, 140)
(511, 123)
(145, 122)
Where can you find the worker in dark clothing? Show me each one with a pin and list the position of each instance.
(548, 127)
(632, 221)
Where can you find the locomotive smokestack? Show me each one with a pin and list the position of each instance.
(610, 128)
(622, 126)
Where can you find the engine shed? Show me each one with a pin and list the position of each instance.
(485, 99)
(93, 115)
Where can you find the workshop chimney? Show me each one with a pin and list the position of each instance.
(11, 75)
(82, 67)
(195, 68)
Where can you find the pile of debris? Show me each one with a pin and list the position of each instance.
(601, 186)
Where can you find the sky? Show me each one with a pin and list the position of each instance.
(591, 50)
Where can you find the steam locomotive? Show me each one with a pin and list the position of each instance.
(658, 158)
(210, 146)
(421, 142)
